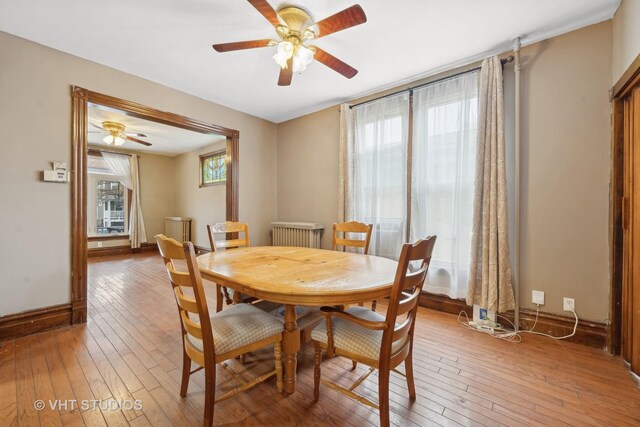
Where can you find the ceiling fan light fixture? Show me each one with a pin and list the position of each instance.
(302, 57)
(113, 140)
(284, 52)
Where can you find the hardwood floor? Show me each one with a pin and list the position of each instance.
(130, 350)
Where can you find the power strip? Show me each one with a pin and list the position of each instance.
(484, 325)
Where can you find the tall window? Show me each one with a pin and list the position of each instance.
(107, 200)
(442, 170)
(380, 175)
(213, 168)
(444, 152)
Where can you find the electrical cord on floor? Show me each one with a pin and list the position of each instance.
(503, 334)
(513, 335)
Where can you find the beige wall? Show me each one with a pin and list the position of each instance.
(157, 192)
(308, 170)
(565, 169)
(205, 205)
(626, 37)
(35, 118)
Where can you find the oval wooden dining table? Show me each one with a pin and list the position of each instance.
(295, 276)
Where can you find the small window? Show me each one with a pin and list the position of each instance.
(107, 200)
(213, 168)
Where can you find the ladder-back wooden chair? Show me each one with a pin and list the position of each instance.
(222, 229)
(342, 240)
(209, 340)
(380, 342)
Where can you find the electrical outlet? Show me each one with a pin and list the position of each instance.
(537, 297)
(569, 304)
(99, 244)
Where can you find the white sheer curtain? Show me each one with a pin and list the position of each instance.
(380, 171)
(126, 170)
(442, 181)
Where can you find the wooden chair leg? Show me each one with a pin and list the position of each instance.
(186, 373)
(383, 393)
(219, 298)
(209, 395)
(411, 385)
(316, 374)
(277, 348)
(354, 365)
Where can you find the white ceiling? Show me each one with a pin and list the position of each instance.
(169, 42)
(165, 140)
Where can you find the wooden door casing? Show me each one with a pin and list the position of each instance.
(631, 224)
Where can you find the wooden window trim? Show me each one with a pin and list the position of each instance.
(202, 157)
(108, 237)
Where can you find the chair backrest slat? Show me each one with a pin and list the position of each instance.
(171, 250)
(187, 304)
(413, 280)
(194, 329)
(405, 294)
(407, 304)
(346, 239)
(350, 242)
(195, 354)
(178, 278)
(228, 227)
(402, 330)
(228, 244)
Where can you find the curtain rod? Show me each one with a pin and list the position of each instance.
(89, 149)
(411, 89)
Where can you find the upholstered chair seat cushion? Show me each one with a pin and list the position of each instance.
(239, 325)
(353, 338)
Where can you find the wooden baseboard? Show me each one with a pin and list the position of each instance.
(37, 320)
(593, 334)
(121, 250)
(444, 303)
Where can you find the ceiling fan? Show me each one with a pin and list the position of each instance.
(116, 134)
(295, 27)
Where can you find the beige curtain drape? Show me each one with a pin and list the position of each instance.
(126, 169)
(137, 232)
(345, 167)
(490, 269)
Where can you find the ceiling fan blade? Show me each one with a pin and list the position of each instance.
(249, 44)
(139, 135)
(286, 74)
(139, 141)
(334, 63)
(348, 18)
(99, 127)
(266, 10)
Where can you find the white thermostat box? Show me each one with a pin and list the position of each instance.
(57, 174)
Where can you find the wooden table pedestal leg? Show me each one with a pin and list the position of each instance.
(291, 346)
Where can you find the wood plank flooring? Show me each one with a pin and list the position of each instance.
(130, 350)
